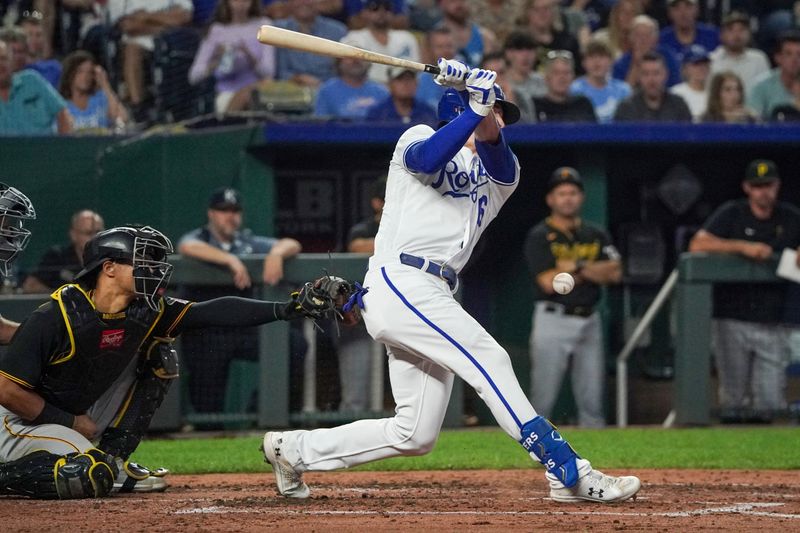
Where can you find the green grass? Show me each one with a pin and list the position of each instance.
(716, 448)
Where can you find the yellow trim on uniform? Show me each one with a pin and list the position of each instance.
(124, 407)
(178, 318)
(57, 297)
(16, 379)
(43, 437)
(58, 464)
(161, 309)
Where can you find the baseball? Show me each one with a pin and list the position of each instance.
(563, 283)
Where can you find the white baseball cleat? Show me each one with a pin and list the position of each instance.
(290, 482)
(598, 487)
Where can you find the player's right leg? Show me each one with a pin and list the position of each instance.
(50, 461)
(417, 313)
(421, 391)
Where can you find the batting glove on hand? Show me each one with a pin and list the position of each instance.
(480, 86)
(451, 73)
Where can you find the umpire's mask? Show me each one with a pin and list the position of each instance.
(15, 208)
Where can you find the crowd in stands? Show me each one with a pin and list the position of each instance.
(122, 65)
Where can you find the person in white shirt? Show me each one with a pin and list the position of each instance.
(140, 21)
(734, 55)
(379, 37)
(694, 89)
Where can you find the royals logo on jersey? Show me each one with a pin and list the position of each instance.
(457, 182)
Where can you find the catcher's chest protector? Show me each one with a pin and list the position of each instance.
(96, 351)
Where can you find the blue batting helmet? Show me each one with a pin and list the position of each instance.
(451, 105)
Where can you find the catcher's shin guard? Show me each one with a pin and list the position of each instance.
(159, 370)
(48, 476)
(547, 446)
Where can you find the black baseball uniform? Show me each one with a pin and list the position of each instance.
(80, 360)
(565, 328)
(751, 346)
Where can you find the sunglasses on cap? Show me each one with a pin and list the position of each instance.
(559, 54)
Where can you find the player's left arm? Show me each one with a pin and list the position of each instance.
(605, 270)
(7, 330)
(496, 156)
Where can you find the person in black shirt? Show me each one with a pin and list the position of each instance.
(86, 371)
(558, 105)
(652, 102)
(749, 343)
(60, 263)
(567, 328)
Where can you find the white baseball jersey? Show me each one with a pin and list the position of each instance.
(429, 337)
(438, 216)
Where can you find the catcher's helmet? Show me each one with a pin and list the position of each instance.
(143, 247)
(451, 105)
(15, 208)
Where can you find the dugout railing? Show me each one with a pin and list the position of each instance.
(691, 286)
(272, 380)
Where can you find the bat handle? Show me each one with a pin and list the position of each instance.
(433, 69)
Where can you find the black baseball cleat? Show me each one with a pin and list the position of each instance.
(136, 478)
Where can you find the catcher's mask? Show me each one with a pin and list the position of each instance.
(451, 105)
(143, 247)
(15, 208)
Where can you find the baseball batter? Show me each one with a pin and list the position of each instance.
(86, 371)
(444, 188)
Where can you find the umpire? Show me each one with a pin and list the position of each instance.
(567, 328)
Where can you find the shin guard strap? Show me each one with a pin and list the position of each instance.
(544, 443)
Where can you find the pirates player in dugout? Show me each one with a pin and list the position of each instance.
(86, 371)
(567, 330)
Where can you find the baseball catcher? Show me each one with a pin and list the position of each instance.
(86, 371)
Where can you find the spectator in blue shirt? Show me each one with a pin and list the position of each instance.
(303, 68)
(402, 104)
(351, 94)
(28, 104)
(38, 58)
(644, 40)
(685, 31)
(90, 99)
(597, 85)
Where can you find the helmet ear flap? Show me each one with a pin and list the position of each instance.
(450, 106)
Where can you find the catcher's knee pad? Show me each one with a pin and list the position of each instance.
(159, 370)
(547, 446)
(85, 475)
(48, 476)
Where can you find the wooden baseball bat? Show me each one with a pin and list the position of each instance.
(317, 45)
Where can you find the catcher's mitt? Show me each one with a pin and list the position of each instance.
(330, 295)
